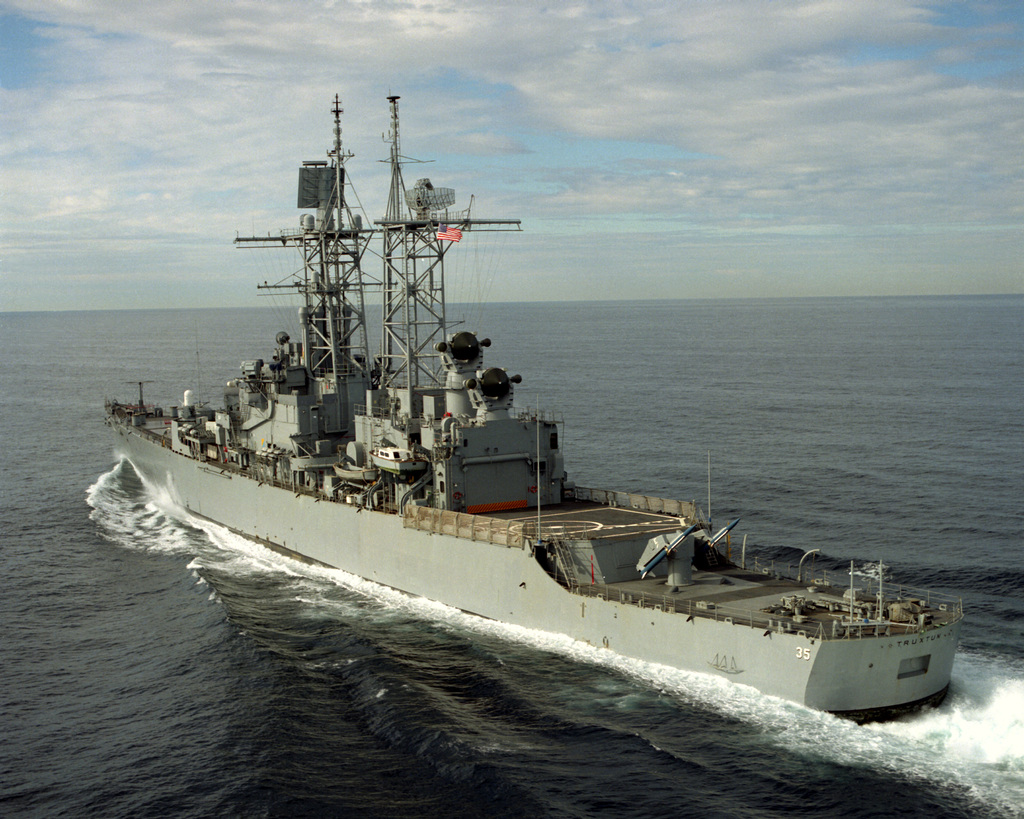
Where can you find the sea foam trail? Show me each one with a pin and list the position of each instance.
(149, 521)
(974, 741)
(977, 736)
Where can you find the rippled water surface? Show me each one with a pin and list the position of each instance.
(156, 665)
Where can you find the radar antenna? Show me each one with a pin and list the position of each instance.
(414, 319)
(425, 201)
(333, 342)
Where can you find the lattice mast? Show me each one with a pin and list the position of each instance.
(335, 345)
(334, 340)
(413, 319)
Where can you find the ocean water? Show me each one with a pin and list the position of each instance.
(156, 665)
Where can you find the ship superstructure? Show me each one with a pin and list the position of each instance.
(411, 466)
(424, 421)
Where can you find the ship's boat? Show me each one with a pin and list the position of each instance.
(397, 460)
(465, 498)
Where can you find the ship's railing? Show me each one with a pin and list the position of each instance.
(866, 591)
(252, 473)
(643, 503)
(527, 415)
(517, 533)
(460, 524)
(705, 609)
(531, 415)
(371, 411)
(248, 472)
(152, 435)
(492, 530)
(838, 629)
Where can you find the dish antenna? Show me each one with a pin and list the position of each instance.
(424, 199)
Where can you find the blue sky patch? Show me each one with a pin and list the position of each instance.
(20, 47)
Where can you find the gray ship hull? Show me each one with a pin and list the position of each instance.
(866, 678)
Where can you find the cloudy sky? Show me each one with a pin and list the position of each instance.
(653, 150)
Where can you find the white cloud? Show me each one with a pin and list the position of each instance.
(177, 124)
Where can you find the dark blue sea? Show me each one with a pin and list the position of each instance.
(154, 665)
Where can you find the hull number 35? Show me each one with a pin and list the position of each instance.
(803, 653)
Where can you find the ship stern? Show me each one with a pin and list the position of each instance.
(876, 678)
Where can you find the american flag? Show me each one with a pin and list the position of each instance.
(449, 233)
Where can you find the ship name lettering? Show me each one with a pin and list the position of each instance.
(925, 639)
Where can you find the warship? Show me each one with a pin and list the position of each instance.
(412, 467)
